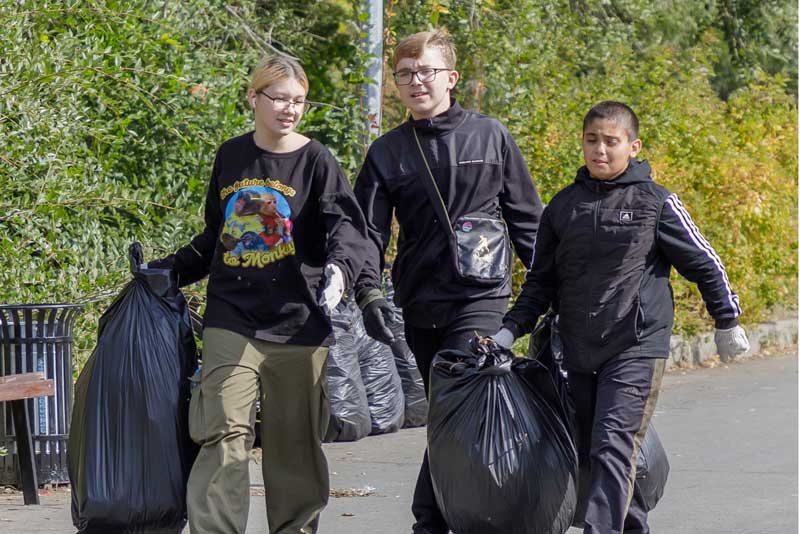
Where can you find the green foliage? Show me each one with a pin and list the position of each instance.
(539, 66)
(759, 35)
(110, 116)
(111, 112)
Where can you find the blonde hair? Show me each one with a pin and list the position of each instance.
(414, 46)
(272, 69)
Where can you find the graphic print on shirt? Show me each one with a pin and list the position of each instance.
(257, 229)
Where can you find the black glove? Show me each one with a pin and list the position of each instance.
(378, 318)
(163, 263)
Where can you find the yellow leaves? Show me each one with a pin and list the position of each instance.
(438, 8)
(168, 40)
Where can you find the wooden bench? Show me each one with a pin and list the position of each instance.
(15, 389)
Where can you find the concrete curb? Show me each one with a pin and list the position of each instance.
(699, 350)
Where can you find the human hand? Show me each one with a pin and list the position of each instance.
(378, 317)
(332, 292)
(731, 342)
(504, 338)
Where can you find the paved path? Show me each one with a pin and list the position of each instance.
(730, 432)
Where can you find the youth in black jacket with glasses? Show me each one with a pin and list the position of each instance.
(478, 169)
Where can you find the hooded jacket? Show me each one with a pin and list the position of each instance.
(603, 257)
(477, 168)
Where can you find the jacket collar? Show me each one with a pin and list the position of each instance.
(637, 172)
(442, 123)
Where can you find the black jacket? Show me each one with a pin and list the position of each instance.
(266, 268)
(603, 257)
(478, 168)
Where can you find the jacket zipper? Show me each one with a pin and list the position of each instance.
(595, 216)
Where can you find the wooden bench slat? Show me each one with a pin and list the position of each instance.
(37, 376)
(25, 386)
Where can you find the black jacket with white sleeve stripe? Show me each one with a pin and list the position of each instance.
(602, 259)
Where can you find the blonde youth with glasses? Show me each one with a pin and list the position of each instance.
(283, 238)
(465, 164)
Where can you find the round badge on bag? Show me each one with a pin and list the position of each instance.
(467, 226)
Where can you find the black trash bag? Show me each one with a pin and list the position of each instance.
(501, 459)
(545, 347)
(652, 469)
(652, 464)
(384, 388)
(416, 405)
(129, 447)
(350, 418)
(416, 413)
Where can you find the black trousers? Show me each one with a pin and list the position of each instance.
(613, 408)
(425, 343)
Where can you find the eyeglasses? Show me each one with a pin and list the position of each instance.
(404, 77)
(281, 104)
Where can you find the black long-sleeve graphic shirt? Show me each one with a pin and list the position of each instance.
(272, 221)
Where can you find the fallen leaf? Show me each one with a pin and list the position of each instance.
(352, 492)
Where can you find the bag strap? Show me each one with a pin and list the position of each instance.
(433, 190)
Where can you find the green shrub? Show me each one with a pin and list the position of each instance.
(110, 116)
(539, 66)
(111, 112)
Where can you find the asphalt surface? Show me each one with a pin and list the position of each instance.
(731, 433)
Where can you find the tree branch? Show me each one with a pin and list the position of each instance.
(261, 43)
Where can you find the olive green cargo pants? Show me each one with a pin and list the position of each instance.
(290, 381)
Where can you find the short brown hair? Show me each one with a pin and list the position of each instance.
(616, 112)
(272, 69)
(414, 46)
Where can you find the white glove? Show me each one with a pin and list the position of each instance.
(334, 287)
(504, 338)
(731, 342)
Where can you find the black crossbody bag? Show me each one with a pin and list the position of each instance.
(479, 248)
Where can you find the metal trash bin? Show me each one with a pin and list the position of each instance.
(38, 337)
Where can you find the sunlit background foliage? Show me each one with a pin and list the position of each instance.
(111, 111)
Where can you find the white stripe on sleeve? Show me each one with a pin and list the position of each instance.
(697, 238)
